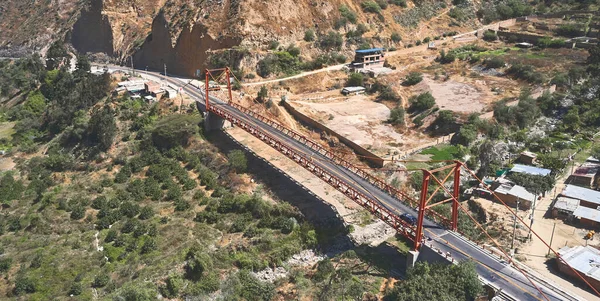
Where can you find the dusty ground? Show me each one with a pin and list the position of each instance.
(6, 164)
(457, 95)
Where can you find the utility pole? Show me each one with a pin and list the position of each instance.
(532, 215)
(132, 69)
(512, 245)
(551, 238)
(165, 65)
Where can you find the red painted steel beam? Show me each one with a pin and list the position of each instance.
(455, 195)
(423, 204)
(368, 203)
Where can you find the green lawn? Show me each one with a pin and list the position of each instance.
(442, 152)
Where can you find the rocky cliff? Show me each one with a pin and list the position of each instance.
(182, 34)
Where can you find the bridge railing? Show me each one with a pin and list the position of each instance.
(368, 203)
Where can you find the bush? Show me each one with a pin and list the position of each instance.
(24, 285)
(494, 62)
(395, 37)
(401, 3)
(348, 14)
(547, 42)
(100, 280)
(370, 7)
(355, 79)
(76, 289)
(175, 130)
(172, 286)
(446, 58)
(146, 213)
(273, 45)
(490, 36)
(309, 35)
(237, 160)
(412, 79)
(333, 40)
(525, 72)
(422, 102)
(262, 95)
(570, 30)
(397, 116)
(5, 264)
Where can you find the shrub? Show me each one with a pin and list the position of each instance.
(446, 58)
(422, 102)
(494, 62)
(333, 40)
(525, 72)
(237, 160)
(569, 30)
(262, 95)
(397, 116)
(547, 42)
(174, 130)
(348, 14)
(172, 286)
(396, 37)
(412, 79)
(401, 3)
(5, 264)
(146, 212)
(490, 35)
(100, 280)
(76, 289)
(355, 79)
(148, 246)
(370, 7)
(309, 35)
(273, 45)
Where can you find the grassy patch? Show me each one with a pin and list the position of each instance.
(444, 152)
(6, 130)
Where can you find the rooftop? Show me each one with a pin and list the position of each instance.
(566, 204)
(588, 169)
(369, 50)
(532, 170)
(353, 89)
(529, 154)
(585, 260)
(587, 213)
(516, 190)
(592, 159)
(580, 193)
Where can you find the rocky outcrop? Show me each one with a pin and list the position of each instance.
(187, 55)
(92, 31)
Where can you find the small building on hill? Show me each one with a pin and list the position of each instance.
(532, 170)
(353, 90)
(589, 218)
(513, 194)
(363, 58)
(527, 158)
(585, 260)
(587, 197)
(585, 175)
(564, 207)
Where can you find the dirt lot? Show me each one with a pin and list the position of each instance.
(362, 121)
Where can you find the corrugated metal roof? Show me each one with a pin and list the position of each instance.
(587, 213)
(353, 89)
(522, 193)
(587, 169)
(580, 193)
(567, 204)
(369, 50)
(585, 260)
(530, 170)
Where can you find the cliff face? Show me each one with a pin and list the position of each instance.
(187, 55)
(182, 34)
(92, 31)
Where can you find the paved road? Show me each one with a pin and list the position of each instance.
(489, 268)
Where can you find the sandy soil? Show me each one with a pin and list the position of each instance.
(456, 96)
(6, 164)
(362, 121)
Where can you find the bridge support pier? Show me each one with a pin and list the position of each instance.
(212, 121)
(411, 258)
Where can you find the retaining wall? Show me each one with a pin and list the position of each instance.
(368, 156)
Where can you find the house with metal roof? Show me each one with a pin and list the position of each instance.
(564, 207)
(584, 259)
(585, 175)
(512, 194)
(373, 57)
(588, 217)
(353, 90)
(588, 197)
(532, 170)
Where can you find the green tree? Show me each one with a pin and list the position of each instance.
(172, 286)
(174, 130)
(237, 160)
(333, 40)
(438, 282)
(10, 189)
(263, 94)
(198, 264)
(444, 123)
(422, 102)
(355, 79)
(102, 128)
(412, 79)
(395, 37)
(309, 35)
(397, 116)
(370, 7)
(490, 36)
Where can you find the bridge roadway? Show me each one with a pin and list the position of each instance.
(492, 270)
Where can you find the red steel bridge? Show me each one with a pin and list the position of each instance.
(433, 231)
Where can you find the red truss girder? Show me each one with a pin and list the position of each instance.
(368, 203)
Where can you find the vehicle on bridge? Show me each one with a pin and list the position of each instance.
(409, 218)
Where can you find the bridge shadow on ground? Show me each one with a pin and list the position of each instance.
(383, 260)
(328, 224)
